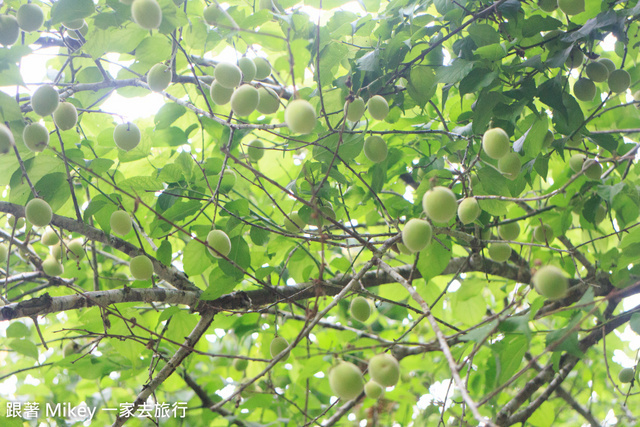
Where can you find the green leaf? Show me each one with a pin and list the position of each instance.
(454, 72)
(163, 254)
(422, 85)
(17, 330)
(167, 114)
(219, 284)
(70, 10)
(434, 258)
(240, 255)
(24, 347)
(195, 258)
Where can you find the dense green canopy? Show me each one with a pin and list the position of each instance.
(505, 131)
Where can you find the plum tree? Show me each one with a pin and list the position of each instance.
(277, 346)
(575, 58)
(345, 380)
(127, 136)
(45, 100)
(159, 77)
(499, 251)
(6, 139)
(219, 243)
(228, 75)
(373, 390)
(354, 110)
(550, 282)
(592, 169)
(543, 233)
(146, 13)
(584, 89)
(255, 150)
(244, 100)
(35, 137)
(510, 165)
(626, 375)
(416, 234)
(571, 7)
(468, 210)
(268, 102)
(9, 30)
(360, 309)
(495, 142)
(220, 95)
(384, 369)
(440, 204)
(248, 68)
(378, 107)
(75, 249)
(509, 230)
(300, 116)
(619, 81)
(120, 222)
(52, 267)
(576, 161)
(141, 266)
(597, 71)
(65, 116)
(611, 67)
(30, 17)
(375, 149)
(263, 69)
(12, 222)
(49, 237)
(38, 212)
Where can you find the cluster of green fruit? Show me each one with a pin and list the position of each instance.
(29, 17)
(495, 143)
(570, 7)
(598, 71)
(347, 382)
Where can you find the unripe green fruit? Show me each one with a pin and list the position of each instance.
(269, 101)
(584, 89)
(75, 249)
(45, 100)
(38, 212)
(592, 169)
(255, 150)
(35, 137)
(228, 180)
(375, 149)
(543, 233)
(141, 266)
(601, 214)
(625, 375)
(127, 136)
(6, 139)
(576, 161)
(82, 30)
(317, 219)
(49, 237)
(4, 252)
(575, 58)
(373, 390)
(346, 381)
(495, 142)
(571, 7)
(499, 252)
(65, 116)
(30, 17)
(159, 77)
(619, 81)
(416, 234)
(611, 67)
(219, 243)
(509, 231)
(378, 107)
(11, 221)
(360, 309)
(300, 116)
(354, 109)
(240, 364)
(510, 165)
(248, 68)
(574, 141)
(468, 210)
(548, 5)
(120, 223)
(220, 95)
(440, 204)
(52, 267)
(70, 349)
(263, 69)
(597, 71)
(384, 369)
(244, 100)
(76, 24)
(548, 139)
(147, 14)
(9, 30)
(227, 75)
(550, 282)
(277, 346)
(294, 223)
(211, 14)
(56, 251)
